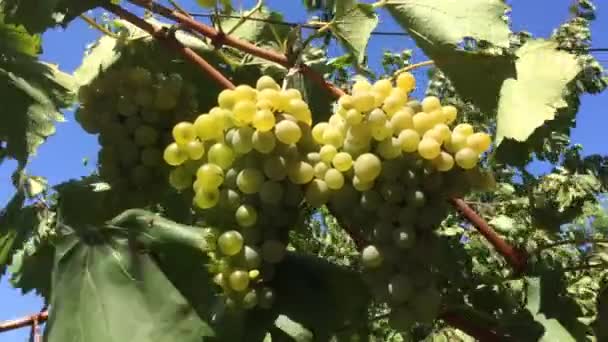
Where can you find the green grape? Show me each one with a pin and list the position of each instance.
(239, 280)
(334, 179)
(371, 257)
(426, 304)
(271, 192)
(249, 180)
(389, 148)
(195, 149)
(264, 120)
(415, 106)
(313, 158)
(241, 140)
(388, 211)
(151, 157)
(456, 142)
(377, 118)
(208, 127)
(402, 119)
(430, 104)
(318, 130)
(226, 99)
(246, 215)
(479, 142)
(363, 101)
(327, 153)
(288, 132)
(252, 258)
(275, 168)
(345, 197)
(144, 98)
(299, 109)
(206, 198)
(230, 243)
(266, 82)
(404, 237)
(407, 215)
(86, 120)
(342, 161)
(266, 298)
(210, 176)
(244, 111)
(361, 185)
(141, 175)
(273, 251)
(333, 136)
(400, 288)
(221, 155)
(367, 167)
(300, 172)
(406, 81)
(370, 200)
(346, 101)
(444, 162)
(174, 155)
(229, 199)
(402, 319)
(263, 142)
(125, 106)
(466, 158)
(183, 132)
(429, 148)
(415, 198)
(150, 116)
(230, 177)
(317, 193)
(320, 170)
(392, 192)
(145, 135)
(129, 155)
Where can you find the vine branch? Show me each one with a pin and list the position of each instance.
(24, 321)
(94, 24)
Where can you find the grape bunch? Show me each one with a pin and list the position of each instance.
(246, 161)
(133, 110)
(388, 164)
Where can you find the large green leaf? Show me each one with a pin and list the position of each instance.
(33, 92)
(31, 269)
(262, 29)
(353, 24)
(105, 290)
(16, 223)
(537, 93)
(441, 27)
(37, 16)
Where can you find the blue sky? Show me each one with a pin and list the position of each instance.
(61, 157)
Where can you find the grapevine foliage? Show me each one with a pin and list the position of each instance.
(277, 210)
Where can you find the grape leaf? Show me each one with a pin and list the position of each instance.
(37, 16)
(16, 223)
(519, 113)
(99, 56)
(33, 93)
(31, 269)
(352, 25)
(118, 294)
(441, 27)
(263, 32)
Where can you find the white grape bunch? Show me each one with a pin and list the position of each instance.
(245, 161)
(133, 110)
(388, 163)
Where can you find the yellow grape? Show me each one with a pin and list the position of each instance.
(392, 104)
(207, 198)
(264, 104)
(444, 162)
(402, 119)
(430, 104)
(292, 93)
(226, 99)
(400, 94)
(464, 129)
(443, 130)
(409, 140)
(320, 169)
(466, 158)
(383, 86)
(327, 153)
(479, 142)
(244, 111)
(300, 172)
(271, 95)
(210, 176)
(429, 148)
(389, 148)
(449, 114)
(378, 98)
(288, 132)
(318, 130)
(382, 132)
(360, 133)
(183, 132)
(377, 118)
(209, 126)
(266, 82)
(342, 161)
(367, 167)
(239, 280)
(346, 101)
(360, 185)
(195, 149)
(246, 215)
(406, 81)
(333, 136)
(456, 142)
(264, 120)
(245, 93)
(433, 134)
(263, 142)
(174, 155)
(422, 122)
(353, 117)
(241, 139)
(361, 86)
(334, 179)
(337, 121)
(249, 181)
(221, 155)
(364, 101)
(299, 109)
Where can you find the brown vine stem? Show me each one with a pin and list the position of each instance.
(162, 36)
(516, 258)
(24, 321)
(219, 38)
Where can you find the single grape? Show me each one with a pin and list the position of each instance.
(367, 167)
(146, 135)
(449, 114)
(195, 149)
(221, 155)
(334, 179)
(444, 162)
(400, 288)
(429, 148)
(288, 132)
(402, 119)
(464, 129)
(242, 140)
(246, 215)
(299, 109)
(392, 192)
(389, 148)
(266, 298)
(209, 127)
(239, 280)
(430, 104)
(479, 142)
(244, 92)
(275, 168)
(244, 111)
(183, 132)
(360, 185)
(317, 193)
(342, 161)
(416, 198)
(230, 242)
(371, 257)
(406, 81)
(300, 172)
(174, 155)
(273, 251)
(363, 101)
(327, 153)
(263, 142)
(466, 158)
(226, 99)
(266, 82)
(207, 198)
(271, 192)
(333, 136)
(318, 130)
(249, 180)
(264, 120)
(383, 86)
(210, 176)
(320, 169)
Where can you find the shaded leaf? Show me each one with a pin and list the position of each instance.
(37, 16)
(117, 294)
(531, 99)
(31, 269)
(352, 25)
(16, 223)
